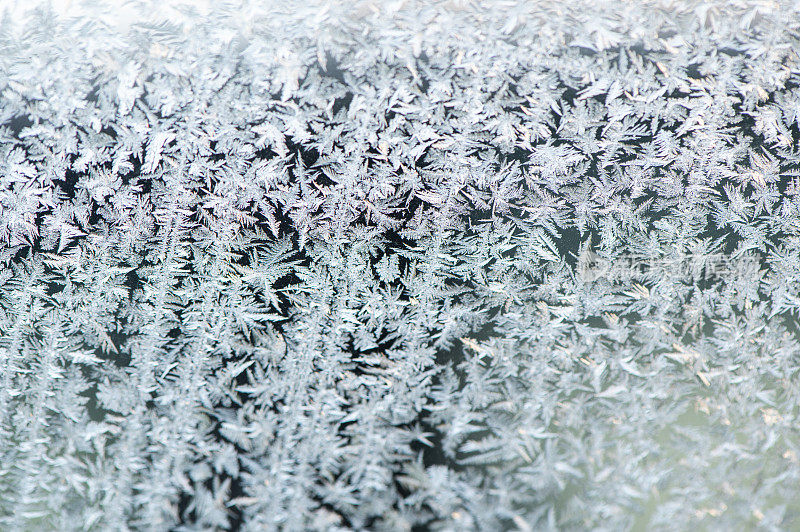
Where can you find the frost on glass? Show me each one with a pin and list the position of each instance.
(399, 265)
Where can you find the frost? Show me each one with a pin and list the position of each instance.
(415, 265)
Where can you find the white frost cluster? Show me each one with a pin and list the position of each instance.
(331, 265)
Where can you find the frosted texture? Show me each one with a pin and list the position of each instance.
(399, 265)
